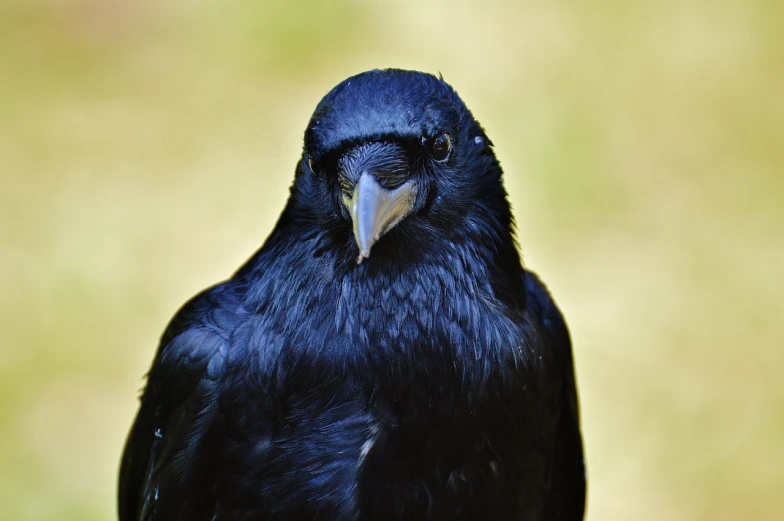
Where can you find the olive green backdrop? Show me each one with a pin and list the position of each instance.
(146, 149)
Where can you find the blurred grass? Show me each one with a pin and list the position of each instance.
(147, 148)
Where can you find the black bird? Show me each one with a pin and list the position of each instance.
(383, 355)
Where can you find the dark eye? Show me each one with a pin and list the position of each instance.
(441, 147)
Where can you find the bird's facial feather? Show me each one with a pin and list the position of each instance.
(403, 129)
(376, 104)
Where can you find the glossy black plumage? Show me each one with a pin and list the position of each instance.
(434, 380)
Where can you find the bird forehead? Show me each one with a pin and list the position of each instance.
(382, 103)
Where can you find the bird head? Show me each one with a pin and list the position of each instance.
(396, 160)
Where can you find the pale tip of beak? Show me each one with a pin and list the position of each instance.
(362, 256)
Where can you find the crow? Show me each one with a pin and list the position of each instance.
(383, 356)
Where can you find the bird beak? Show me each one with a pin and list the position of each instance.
(375, 210)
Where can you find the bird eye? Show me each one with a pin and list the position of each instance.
(441, 147)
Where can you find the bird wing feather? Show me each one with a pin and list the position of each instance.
(567, 493)
(179, 403)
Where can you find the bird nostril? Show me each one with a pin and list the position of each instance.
(346, 185)
(387, 162)
(389, 180)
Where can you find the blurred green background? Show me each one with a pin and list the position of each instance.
(147, 148)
